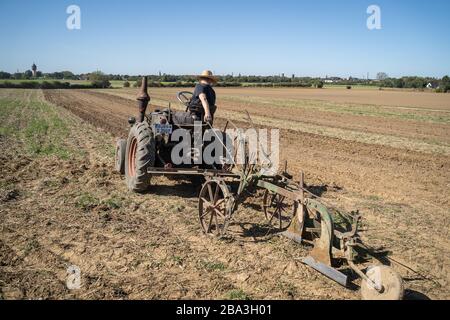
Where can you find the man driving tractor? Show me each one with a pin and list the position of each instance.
(203, 102)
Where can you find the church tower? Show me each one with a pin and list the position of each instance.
(34, 69)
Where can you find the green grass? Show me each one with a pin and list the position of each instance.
(113, 203)
(119, 83)
(237, 294)
(44, 137)
(87, 202)
(35, 123)
(213, 266)
(16, 81)
(114, 83)
(178, 260)
(31, 245)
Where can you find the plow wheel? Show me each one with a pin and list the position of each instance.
(215, 208)
(279, 210)
(388, 279)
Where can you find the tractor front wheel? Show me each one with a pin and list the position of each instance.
(140, 155)
(119, 161)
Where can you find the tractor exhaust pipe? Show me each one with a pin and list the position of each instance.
(143, 100)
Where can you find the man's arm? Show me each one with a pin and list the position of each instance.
(205, 105)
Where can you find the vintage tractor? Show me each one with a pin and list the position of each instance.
(149, 144)
(290, 208)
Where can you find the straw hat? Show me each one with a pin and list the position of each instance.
(207, 74)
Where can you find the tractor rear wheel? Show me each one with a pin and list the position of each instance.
(140, 155)
(119, 162)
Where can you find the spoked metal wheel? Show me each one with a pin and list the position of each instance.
(215, 208)
(279, 210)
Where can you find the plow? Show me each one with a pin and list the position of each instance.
(290, 208)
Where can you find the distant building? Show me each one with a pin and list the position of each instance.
(34, 70)
(332, 79)
(432, 85)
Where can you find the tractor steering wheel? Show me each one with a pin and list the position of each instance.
(185, 97)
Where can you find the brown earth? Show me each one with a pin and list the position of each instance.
(428, 100)
(151, 247)
(419, 129)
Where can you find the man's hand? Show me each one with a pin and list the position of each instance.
(208, 118)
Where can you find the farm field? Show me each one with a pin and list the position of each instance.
(114, 83)
(384, 153)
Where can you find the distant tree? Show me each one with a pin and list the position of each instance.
(126, 84)
(5, 75)
(99, 79)
(137, 83)
(399, 83)
(382, 76)
(445, 84)
(38, 74)
(319, 84)
(68, 75)
(27, 74)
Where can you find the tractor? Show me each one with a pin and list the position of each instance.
(150, 144)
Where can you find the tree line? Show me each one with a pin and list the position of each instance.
(98, 79)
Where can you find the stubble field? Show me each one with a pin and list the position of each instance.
(386, 154)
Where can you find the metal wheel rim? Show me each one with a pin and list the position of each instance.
(213, 209)
(268, 201)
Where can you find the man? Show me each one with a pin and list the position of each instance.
(203, 102)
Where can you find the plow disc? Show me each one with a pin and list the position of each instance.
(389, 282)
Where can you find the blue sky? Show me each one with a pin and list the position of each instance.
(262, 37)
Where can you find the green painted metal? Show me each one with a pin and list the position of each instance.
(322, 251)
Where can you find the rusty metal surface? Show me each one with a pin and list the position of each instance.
(279, 190)
(331, 273)
(191, 172)
(322, 251)
(295, 230)
(215, 207)
(143, 99)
